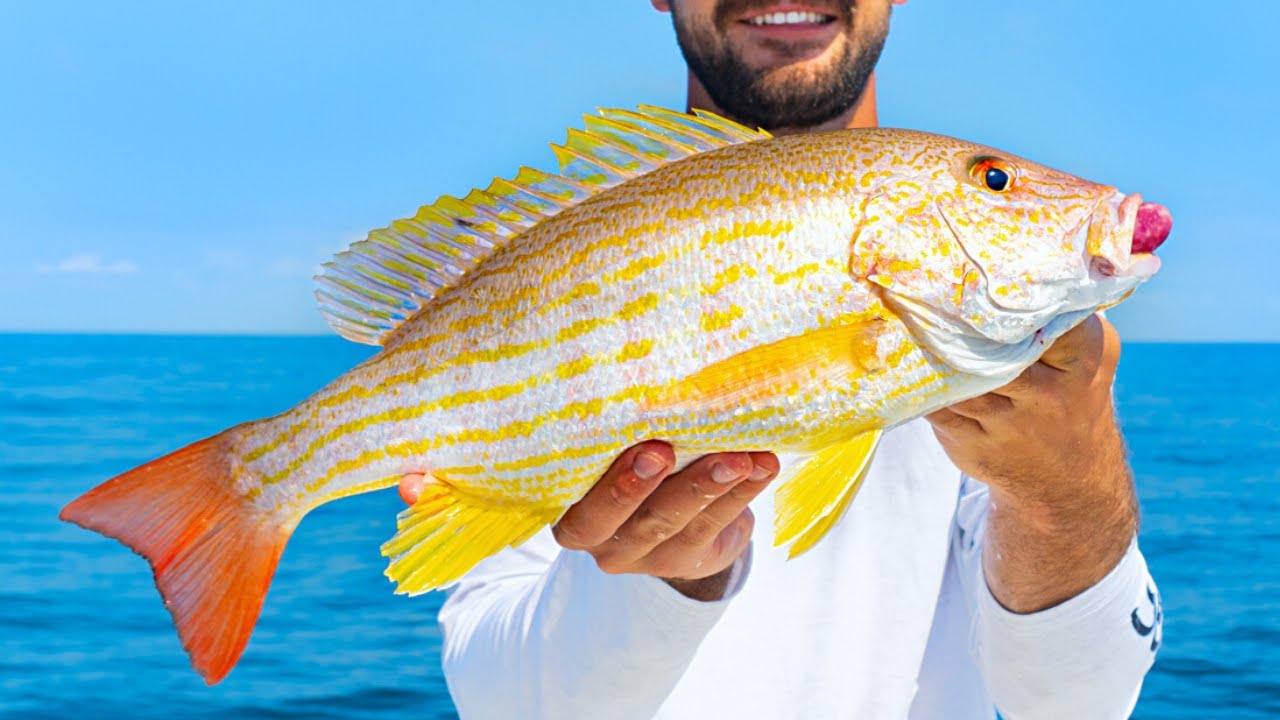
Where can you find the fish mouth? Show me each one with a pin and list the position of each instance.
(1108, 239)
(1141, 265)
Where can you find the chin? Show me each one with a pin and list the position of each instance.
(802, 73)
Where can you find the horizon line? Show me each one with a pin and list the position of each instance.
(320, 335)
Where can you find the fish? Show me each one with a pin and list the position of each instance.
(681, 277)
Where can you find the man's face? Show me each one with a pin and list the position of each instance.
(801, 72)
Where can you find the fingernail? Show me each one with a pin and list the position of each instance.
(722, 473)
(647, 465)
(759, 473)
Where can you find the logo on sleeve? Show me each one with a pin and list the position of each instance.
(1157, 617)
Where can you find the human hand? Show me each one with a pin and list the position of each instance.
(686, 528)
(1062, 506)
(1053, 427)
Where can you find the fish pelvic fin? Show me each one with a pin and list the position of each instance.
(212, 553)
(818, 492)
(447, 531)
(369, 290)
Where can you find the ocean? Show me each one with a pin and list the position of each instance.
(83, 633)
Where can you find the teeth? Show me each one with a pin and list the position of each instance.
(789, 18)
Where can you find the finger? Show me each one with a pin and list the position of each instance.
(1040, 386)
(668, 510)
(1111, 348)
(411, 487)
(732, 541)
(706, 560)
(1030, 383)
(1081, 346)
(986, 407)
(952, 423)
(614, 498)
(706, 525)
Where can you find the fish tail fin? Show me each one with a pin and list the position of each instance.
(212, 553)
(447, 532)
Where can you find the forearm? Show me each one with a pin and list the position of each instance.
(1062, 504)
(572, 642)
(1048, 542)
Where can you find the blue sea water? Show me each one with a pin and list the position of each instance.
(83, 633)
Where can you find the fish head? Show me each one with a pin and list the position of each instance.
(989, 257)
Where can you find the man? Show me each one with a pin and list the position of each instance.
(988, 562)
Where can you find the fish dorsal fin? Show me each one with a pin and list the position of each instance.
(366, 291)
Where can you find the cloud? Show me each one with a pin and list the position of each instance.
(88, 264)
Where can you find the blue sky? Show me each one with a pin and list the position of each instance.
(184, 167)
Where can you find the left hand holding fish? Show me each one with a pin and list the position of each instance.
(1063, 509)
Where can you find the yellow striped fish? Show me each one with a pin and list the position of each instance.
(682, 278)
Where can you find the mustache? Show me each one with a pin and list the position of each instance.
(728, 11)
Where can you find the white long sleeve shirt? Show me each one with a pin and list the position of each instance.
(889, 616)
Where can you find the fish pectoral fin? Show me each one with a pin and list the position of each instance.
(817, 493)
(835, 356)
(448, 531)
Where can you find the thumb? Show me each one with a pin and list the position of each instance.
(1080, 346)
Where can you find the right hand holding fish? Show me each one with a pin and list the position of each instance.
(686, 528)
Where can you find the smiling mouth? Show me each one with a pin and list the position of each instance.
(785, 18)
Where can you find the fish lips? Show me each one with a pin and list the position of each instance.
(1110, 238)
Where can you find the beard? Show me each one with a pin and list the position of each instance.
(785, 96)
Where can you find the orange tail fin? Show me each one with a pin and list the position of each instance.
(212, 553)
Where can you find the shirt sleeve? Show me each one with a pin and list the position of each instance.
(1086, 657)
(541, 632)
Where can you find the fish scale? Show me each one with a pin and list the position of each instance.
(683, 278)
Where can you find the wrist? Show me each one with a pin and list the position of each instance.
(1044, 548)
(1083, 475)
(707, 589)
(1102, 498)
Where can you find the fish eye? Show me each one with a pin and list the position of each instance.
(996, 179)
(993, 174)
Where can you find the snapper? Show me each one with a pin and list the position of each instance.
(682, 278)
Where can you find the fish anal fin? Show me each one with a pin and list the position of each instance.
(836, 356)
(816, 493)
(447, 531)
